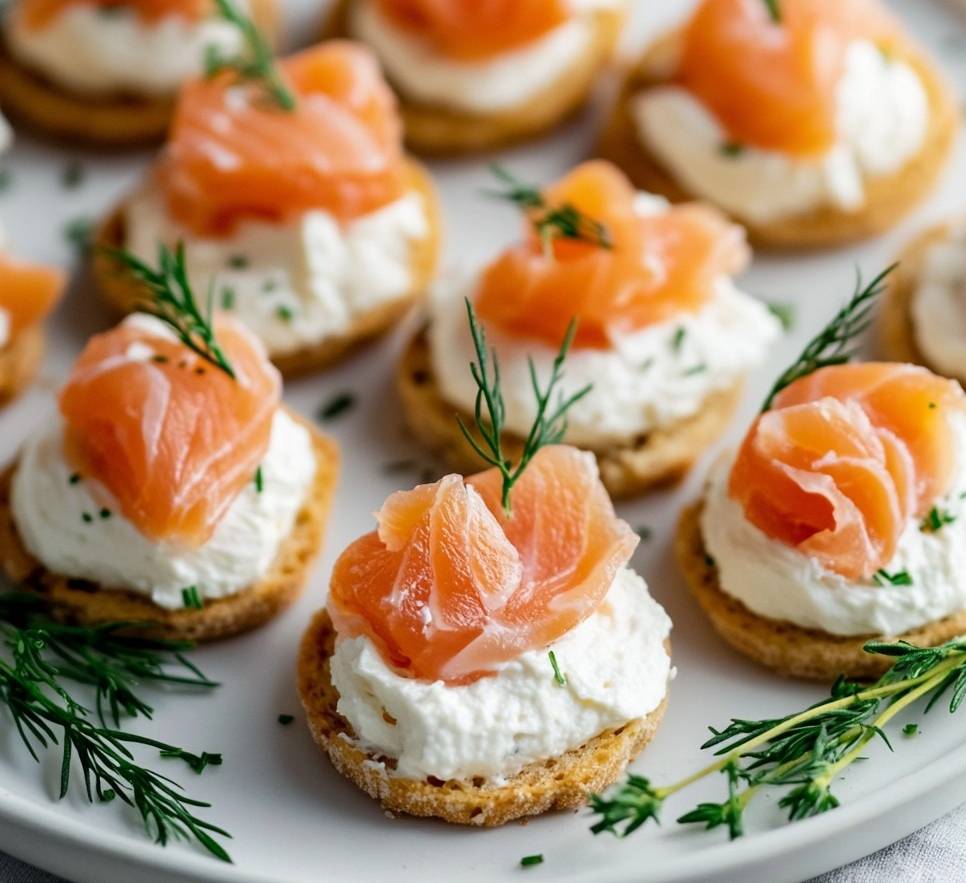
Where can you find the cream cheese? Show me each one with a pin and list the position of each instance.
(882, 120)
(486, 86)
(616, 671)
(938, 304)
(49, 510)
(297, 283)
(100, 50)
(779, 582)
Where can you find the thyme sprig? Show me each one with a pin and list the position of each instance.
(833, 345)
(256, 62)
(549, 425)
(42, 656)
(803, 752)
(172, 300)
(564, 221)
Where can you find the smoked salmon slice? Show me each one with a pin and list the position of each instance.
(471, 30)
(845, 457)
(233, 155)
(656, 266)
(40, 13)
(171, 437)
(772, 83)
(449, 587)
(28, 292)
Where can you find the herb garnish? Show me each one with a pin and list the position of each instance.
(336, 406)
(256, 62)
(936, 519)
(561, 679)
(79, 233)
(73, 174)
(259, 480)
(677, 340)
(899, 578)
(529, 860)
(784, 313)
(910, 729)
(774, 11)
(549, 425)
(43, 655)
(172, 300)
(732, 148)
(565, 221)
(803, 752)
(191, 599)
(286, 719)
(831, 346)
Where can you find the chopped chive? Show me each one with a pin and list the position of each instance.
(557, 676)
(899, 578)
(74, 478)
(73, 174)
(269, 285)
(644, 532)
(286, 719)
(336, 406)
(936, 519)
(284, 313)
(87, 517)
(709, 561)
(910, 729)
(238, 262)
(259, 480)
(784, 313)
(732, 148)
(695, 369)
(647, 364)
(191, 598)
(228, 298)
(105, 513)
(774, 11)
(678, 339)
(107, 795)
(529, 860)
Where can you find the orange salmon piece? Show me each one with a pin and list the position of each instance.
(472, 30)
(658, 266)
(172, 438)
(845, 457)
(772, 84)
(28, 292)
(231, 155)
(449, 587)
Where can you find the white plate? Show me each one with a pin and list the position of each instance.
(293, 817)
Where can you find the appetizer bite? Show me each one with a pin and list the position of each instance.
(487, 653)
(924, 313)
(107, 71)
(838, 520)
(27, 295)
(474, 76)
(174, 488)
(289, 188)
(810, 121)
(662, 332)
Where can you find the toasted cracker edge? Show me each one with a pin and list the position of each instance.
(123, 293)
(786, 648)
(558, 783)
(87, 603)
(659, 457)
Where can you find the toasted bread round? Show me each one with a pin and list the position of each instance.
(658, 457)
(114, 120)
(888, 197)
(440, 130)
(124, 293)
(558, 783)
(897, 336)
(20, 361)
(86, 603)
(786, 648)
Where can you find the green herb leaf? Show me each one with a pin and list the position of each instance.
(259, 480)
(529, 860)
(79, 233)
(337, 406)
(910, 729)
(899, 578)
(773, 10)
(549, 425)
(629, 806)
(784, 313)
(936, 519)
(191, 598)
(557, 676)
(732, 148)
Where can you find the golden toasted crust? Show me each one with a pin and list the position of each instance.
(439, 130)
(659, 457)
(896, 333)
(558, 783)
(124, 293)
(788, 649)
(87, 603)
(115, 120)
(20, 361)
(888, 197)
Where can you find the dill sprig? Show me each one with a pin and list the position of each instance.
(833, 344)
(256, 62)
(549, 425)
(42, 655)
(803, 753)
(173, 301)
(565, 221)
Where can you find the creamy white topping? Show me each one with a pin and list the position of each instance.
(297, 283)
(103, 50)
(779, 582)
(489, 85)
(616, 671)
(882, 121)
(647, 380)
(6, 135)
(939, 304)
(49, 510)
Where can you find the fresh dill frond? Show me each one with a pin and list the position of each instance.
(255, 63)
(41, 658)
(565, 221)
(802, 753)
(549, 425)
(172, 300)
(833, 344)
